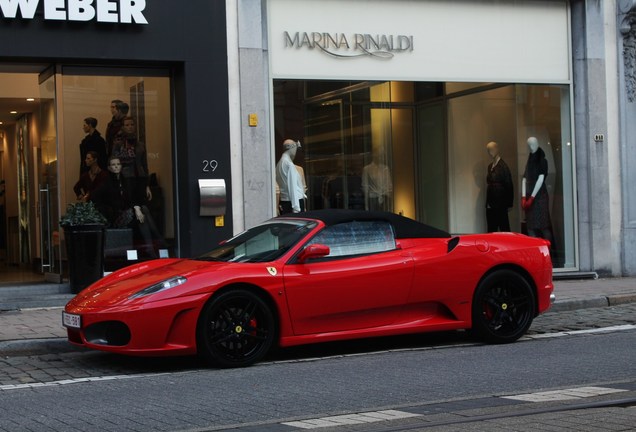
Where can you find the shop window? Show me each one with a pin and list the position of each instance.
(419, 149)
(509, 115)
(348, 156)
(132, 119)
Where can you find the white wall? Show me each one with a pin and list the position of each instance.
(459, 40)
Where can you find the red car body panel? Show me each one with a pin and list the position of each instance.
(426, 284)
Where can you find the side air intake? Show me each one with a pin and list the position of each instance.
(452, 243)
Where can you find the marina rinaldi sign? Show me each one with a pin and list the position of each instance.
(356, 45)
(106, 11)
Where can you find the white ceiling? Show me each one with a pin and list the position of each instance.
(17, 83)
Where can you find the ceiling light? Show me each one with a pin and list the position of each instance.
(30, 99)
(13, 112)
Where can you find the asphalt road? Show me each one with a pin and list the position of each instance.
(431, 374)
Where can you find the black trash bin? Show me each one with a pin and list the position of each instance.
(85, 254)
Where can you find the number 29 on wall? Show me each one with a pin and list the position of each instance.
(210, 165)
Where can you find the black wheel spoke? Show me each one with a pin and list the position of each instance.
(495, 321)
(256, 333)
(520, 301)
(249, 311)
(228, 316)
(221, 338)
(491, 300)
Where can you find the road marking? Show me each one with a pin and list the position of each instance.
(566, 394)
(349, 419)
(75, 381)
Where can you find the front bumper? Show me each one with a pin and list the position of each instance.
(166, 327)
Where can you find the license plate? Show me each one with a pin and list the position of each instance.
(71, 320)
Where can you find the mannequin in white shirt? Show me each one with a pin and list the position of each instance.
(377, 184)
(292, 190)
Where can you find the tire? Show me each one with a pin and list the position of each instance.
(503, 307)
(235, 329)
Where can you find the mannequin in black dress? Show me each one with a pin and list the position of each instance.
(499, 193)
(536, 203)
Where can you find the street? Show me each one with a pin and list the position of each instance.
(80, 390)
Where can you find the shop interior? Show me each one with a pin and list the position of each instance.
(42, 113)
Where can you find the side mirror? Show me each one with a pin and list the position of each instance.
(313, 251)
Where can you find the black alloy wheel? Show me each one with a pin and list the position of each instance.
(235, 329)
(503, 307)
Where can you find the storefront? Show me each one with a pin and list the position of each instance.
(66, 64)
(395, 102)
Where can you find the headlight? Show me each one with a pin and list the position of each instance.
(161, 286)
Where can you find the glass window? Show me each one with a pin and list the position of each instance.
(263, 243)
(509, 115)
(127, 117)
(356, 238)
(543, 112)
(347, 132)
(419, 149)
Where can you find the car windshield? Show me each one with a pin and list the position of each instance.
(262, 243)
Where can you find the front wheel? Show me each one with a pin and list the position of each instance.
(503, 307)
(236, 329)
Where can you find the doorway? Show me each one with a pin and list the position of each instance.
(20, 139)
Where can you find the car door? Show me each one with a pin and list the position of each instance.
(363, 282)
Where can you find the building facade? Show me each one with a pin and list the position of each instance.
(64, 62)
(393, 103)
(397, 101)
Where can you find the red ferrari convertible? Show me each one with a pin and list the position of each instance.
(317, 276)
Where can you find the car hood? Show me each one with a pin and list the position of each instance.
(116, 288)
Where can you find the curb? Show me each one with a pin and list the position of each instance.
(570, 305)
(592, 302)
(621, 299)
(29, 347)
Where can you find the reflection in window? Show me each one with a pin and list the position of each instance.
(263, 243)
(129, 115)
(348, 137)
(357, 238)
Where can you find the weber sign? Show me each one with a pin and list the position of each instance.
(106, 11)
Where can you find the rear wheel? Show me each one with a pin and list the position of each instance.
(236, 329)
(503, 307)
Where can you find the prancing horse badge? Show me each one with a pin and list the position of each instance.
(272, 271)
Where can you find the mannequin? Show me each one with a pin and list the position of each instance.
(118, 109)
(536, 204)
(292, 191)
(126, 211)
(499, 193)
(93, 141)
(134, 161)
(93, 178)
(377, 184)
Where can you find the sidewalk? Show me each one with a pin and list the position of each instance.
(42, 325)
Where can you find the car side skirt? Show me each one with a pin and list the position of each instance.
(391, 330)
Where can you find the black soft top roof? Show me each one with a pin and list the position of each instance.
(403, 226)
